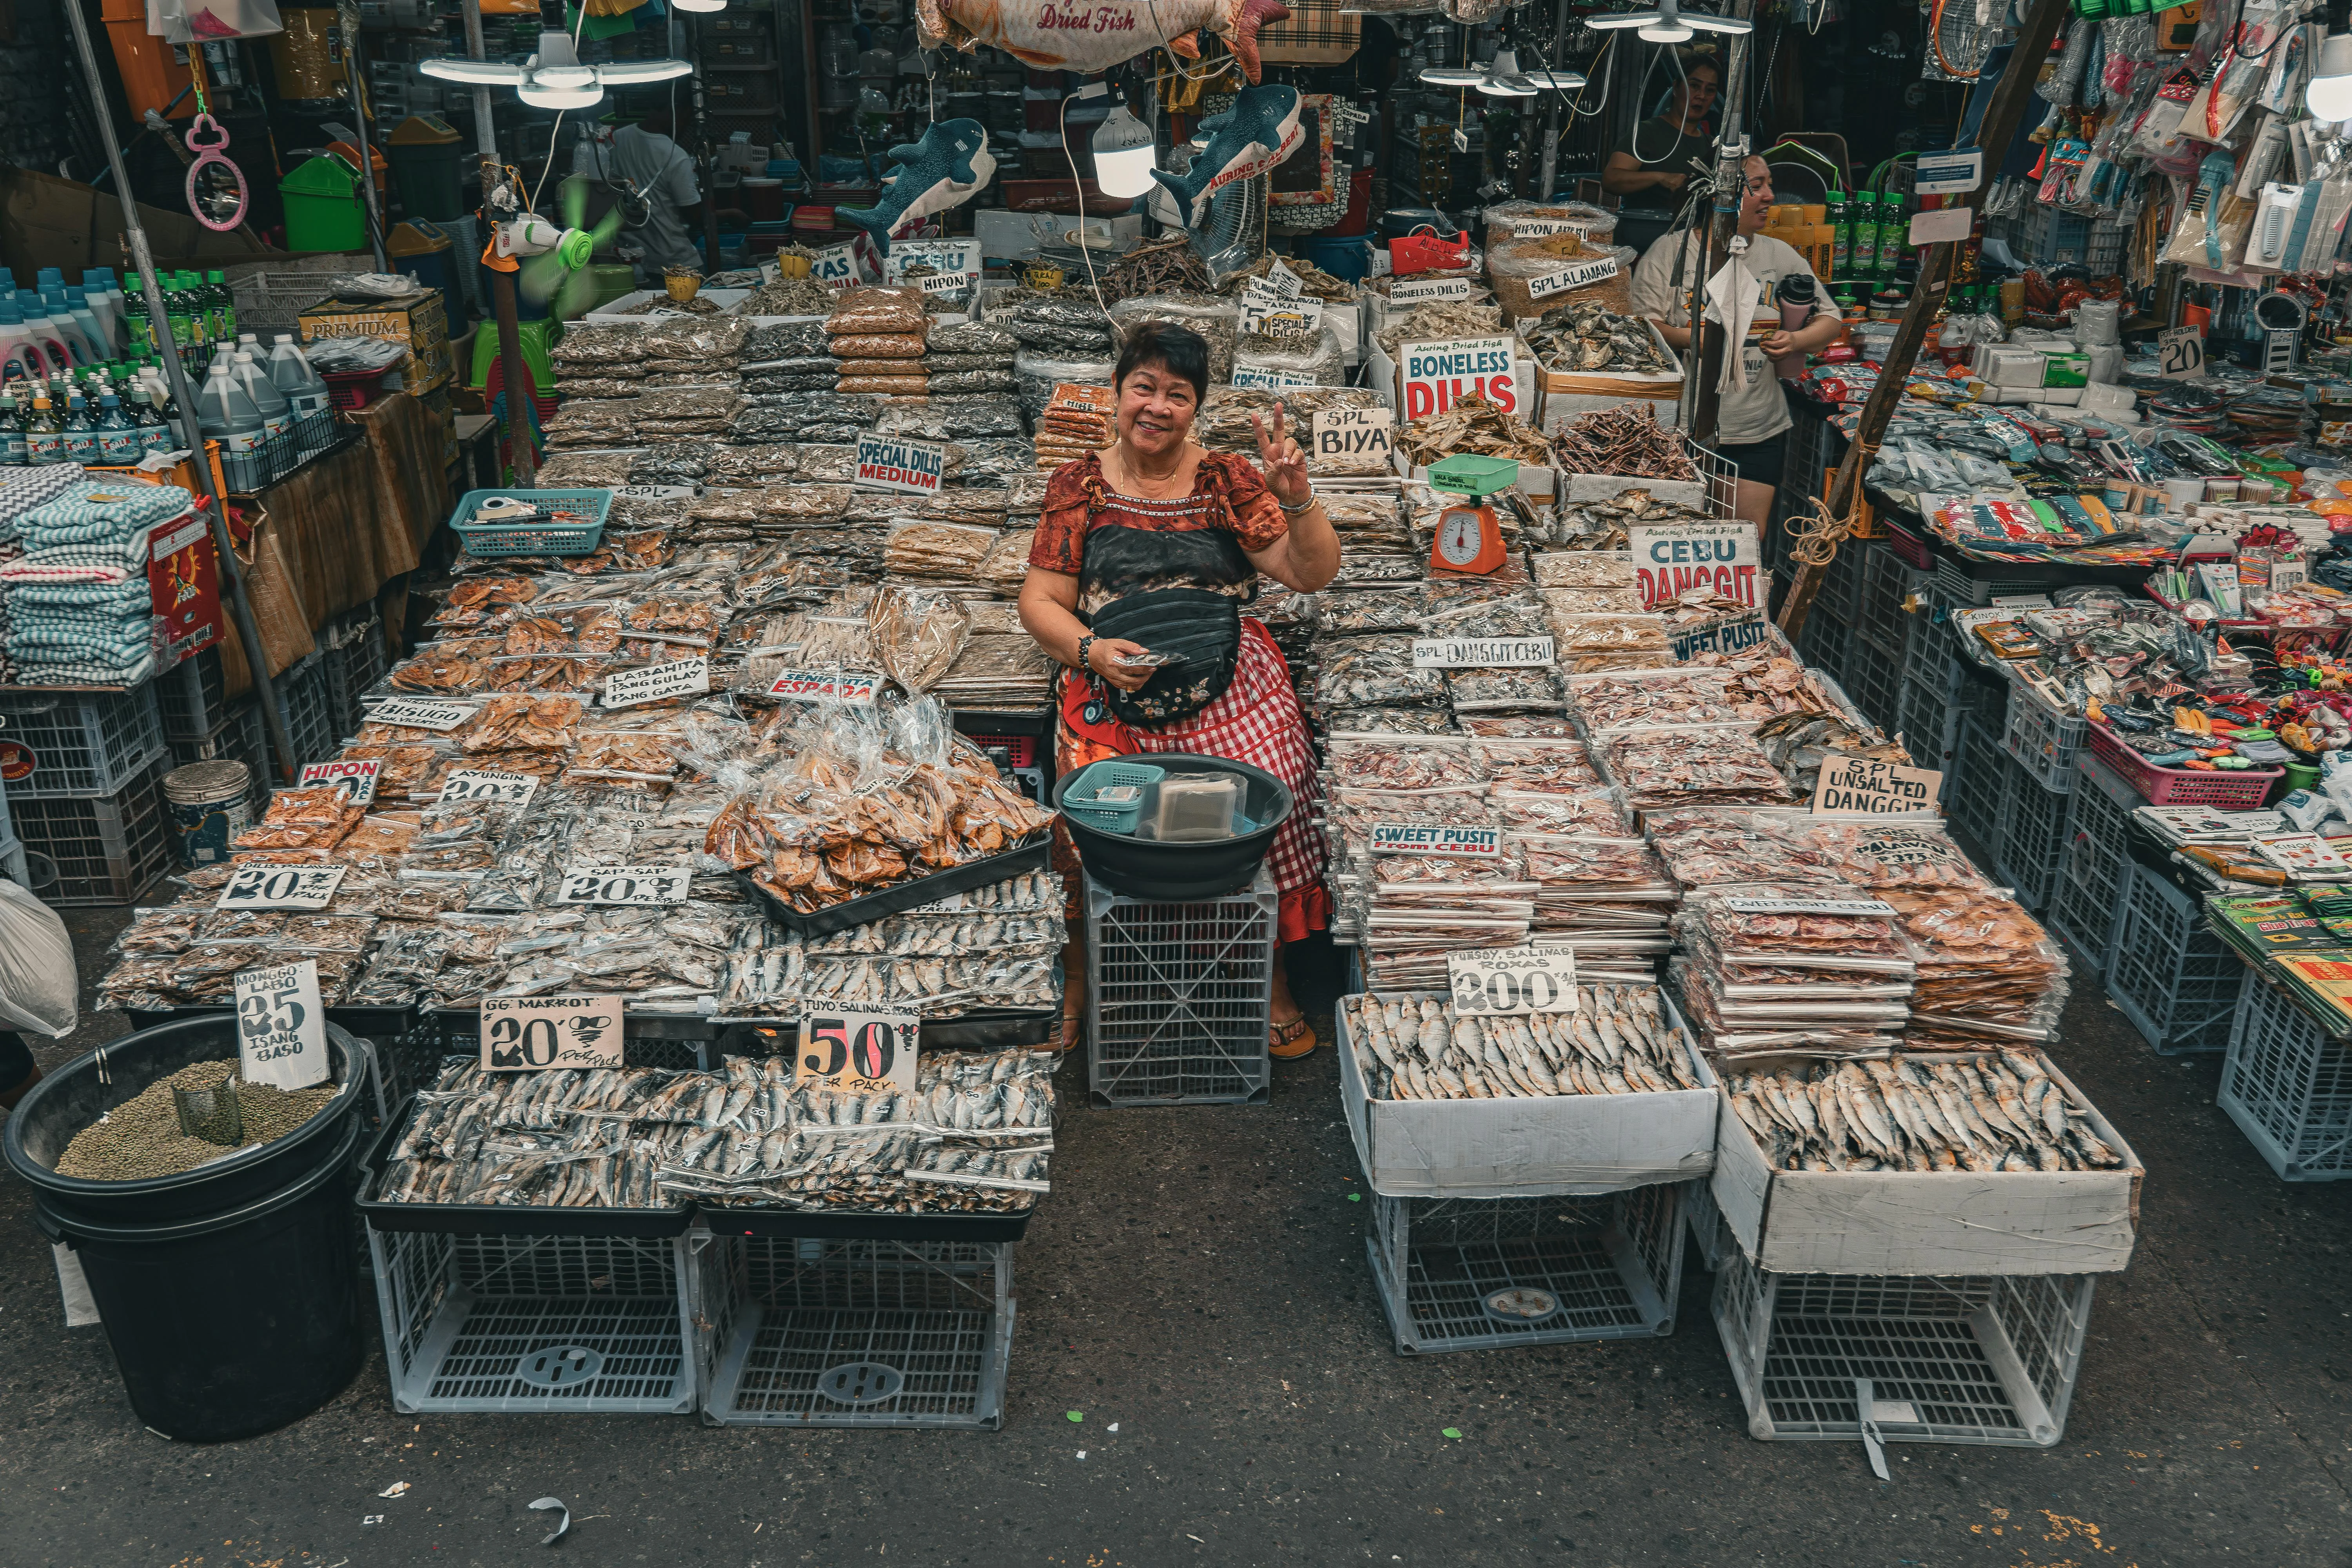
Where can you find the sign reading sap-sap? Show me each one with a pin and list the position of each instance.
(1438, 375)
(1859, 783)
(1723, 557)
(890, 463)
(281, 1029)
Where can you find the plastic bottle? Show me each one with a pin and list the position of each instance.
(118, 437)
(1892, 230)
(275, 414)
(81, 436)
(1865, 242)
(12, 431)
(96, 295)
(56, 356)
(87, 322)
(225, 414)
(1841, 218)
(224, 307)
(20, 357)
(176, 315)
(61, 320)
(139, 327)
(45, 432)
(291, 371)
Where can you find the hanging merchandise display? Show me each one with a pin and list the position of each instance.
(944, 170)
(1248, 140)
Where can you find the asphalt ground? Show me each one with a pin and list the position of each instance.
(1196, 1291)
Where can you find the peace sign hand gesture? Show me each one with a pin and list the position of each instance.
(1284, 464)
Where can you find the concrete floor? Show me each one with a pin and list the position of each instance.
(1197, 1287)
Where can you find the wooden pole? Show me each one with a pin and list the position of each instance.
(1731, 192)
(2010, 97)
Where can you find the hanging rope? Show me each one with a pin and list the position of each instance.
(1818, 536)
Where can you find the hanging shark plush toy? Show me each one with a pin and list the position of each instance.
(1091, 35)
(1257, 133)
(945, 169)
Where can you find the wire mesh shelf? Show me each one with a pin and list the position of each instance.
(1179, 997)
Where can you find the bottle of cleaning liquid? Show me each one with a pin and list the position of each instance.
(225, 414)
(291, 369)
(61, 317)
(81, 438)
(12, 431)
(44, 434)
(86, 322)
(146, 424)
(20, 357)
(56, 355)
(224, 307)
(118, 437)
(1866, 236)
(100, 304)
(275, 413)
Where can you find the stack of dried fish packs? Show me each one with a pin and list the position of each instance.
(1777, 966)
(598, 362)
(1586, 338)
(1472, 426)
(188, 955)
(1585, 582)
(1799, 743)
(1712, 847)
(1608, 899)
(1619, 1040)
(1375, 671)
(997, 674)
(1368, 520)
(1720, 766)
(1986, 972)
(2000, 1111)
(1651, 698)
(1411, 912)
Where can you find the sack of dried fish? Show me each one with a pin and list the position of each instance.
(1040, 372)
(1218, 321)
(788, 340)
(1375, 671)
(711, 343)
(1398, 609)
(1618, 1041)
(917, 635)
(1504, 220)
(1315, 353)
(1585, 569)
(1504, 690)
(972, 338)
(1518, 267)
(608, 349)
(865, 310)
(1985, 968)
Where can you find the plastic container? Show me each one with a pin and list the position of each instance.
(1195, 808)
(290, 371)
(322, 206)
(2242, 791)
(211, 803)
(1147, 869)
(2287, 1083)
(1110, 797)
(539, 537)
(426, 156)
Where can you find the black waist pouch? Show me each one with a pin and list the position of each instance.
(1200, 628)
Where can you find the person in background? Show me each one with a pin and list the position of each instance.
(1752, 420)
(1649, 173)
(662, 173)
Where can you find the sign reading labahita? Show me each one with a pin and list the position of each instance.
(1438, 375)
(1671, 558)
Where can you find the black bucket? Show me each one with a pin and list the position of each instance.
(231, 1324)
(1195, 869)
(75, 1095)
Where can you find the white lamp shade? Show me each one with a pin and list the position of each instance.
(487, 73)
(1664, 32)
(1452, 76)
(540, 95)
(2330, 96)
(1622, 20)
(698, 5)
(1124, 154)
(621, 73)
(1559, 81)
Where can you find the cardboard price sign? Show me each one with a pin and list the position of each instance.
(1723, 557)
(359, 775)
(1884, 789)
(2180, 352)
(1436, 375)
(1575, 275)
(1481, 653)
(415, 714)
(889, 463)
(1342, 433)
(1849, 908)
(523, 1034)
(653, 492)
(281, 1029)
(489, 785)
(836, 266)
(624, 885)
(1263, 309)
(1414, 839)
(1532, 979)
(825, 686)
(265, 887)
(864, 1051)
(1428, 290)
(678, 677)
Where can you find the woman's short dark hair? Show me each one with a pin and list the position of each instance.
(1180, 351)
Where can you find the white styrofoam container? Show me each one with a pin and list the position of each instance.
(1926, 1223)
(1530, 1146)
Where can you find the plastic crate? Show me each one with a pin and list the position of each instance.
(825, 1332)
(2084, 920)
(1840, 592)
(1889, 584)
(1972, 787)
(1710, 1231)
(1099, 776)
(1874, 681)
(2168, 973)
(1955, 586)
(1926, 706)
(1988, 1361)
(81, 742)
(1824, 642)
(2031, 834)
(96, 850)
(493, 539)
(2242, 791)
(2287, 1083)
(1180, 997)
(2084, 900)
(535, 1324)
(193, 696)
(2042, 741)
(302, 701)
(352, 657)
(1460, 1274)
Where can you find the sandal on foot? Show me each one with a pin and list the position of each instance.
(1290, 1040)
(1073, 1032)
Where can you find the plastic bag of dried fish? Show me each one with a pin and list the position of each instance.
(1375, 671)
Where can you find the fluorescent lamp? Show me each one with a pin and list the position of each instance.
(1452, 76)
(543, 96)
(487, 73)
(1504, 79)
(2330, 96)
(1665, 31)
(698, 5)
(622, 73)
(1559, 81)
(1124, 154)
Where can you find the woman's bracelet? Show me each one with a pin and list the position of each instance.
(1085, 645)
(1294, 510)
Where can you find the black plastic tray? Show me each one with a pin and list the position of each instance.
(853, 1226)
(983, 1029)
(369, 1023)
(901, 897)
(500, 1220)
(1004, 720)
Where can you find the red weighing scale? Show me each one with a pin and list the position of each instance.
(1469, 537)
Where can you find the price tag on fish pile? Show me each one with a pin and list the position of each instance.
(1533, 979)
(489, 785)
(280, 888)
(1345, 434)
(1417, 839)
(1883, 789)
(522, 1034)
(891, 463)
(358, 777)
(1428, 290)
(1575, 275)
(861, 1052)
(1251, 375)
(624, 885)
(653, 492)
(678, 677)
(281, 1029)
(1849, 908)
(852, 686)
(414, 713)
(836, 266)
(1481, 653)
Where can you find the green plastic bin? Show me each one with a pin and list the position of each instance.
(428, 167)
(322, 206)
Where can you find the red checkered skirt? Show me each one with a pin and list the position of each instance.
(1256, 721)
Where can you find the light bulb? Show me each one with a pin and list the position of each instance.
(1124, 154)
(1452, 76)
(698, 5)
(540, 95)
(1559, 81)
(489, 73)
(1504, 79)
(1663, 31)
(2330, 96)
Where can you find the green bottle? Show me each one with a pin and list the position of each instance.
(176, 312)
(1891, 232)
(224, 308)
(1842, 234)
(1866, 235)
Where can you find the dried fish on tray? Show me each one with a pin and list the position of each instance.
(1472, 426)
(1389, 720)
(1618, 1041)
(1585, 338)
(1627, 439)
(1997, 1111)
(1593, 568)
(1378, 762)
(1683, 696)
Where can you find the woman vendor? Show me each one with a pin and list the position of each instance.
(1133, 535)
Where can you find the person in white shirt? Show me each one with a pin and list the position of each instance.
(1752, 420)
(663, 174)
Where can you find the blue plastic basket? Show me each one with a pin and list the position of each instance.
(1081, 799)
(534, 538)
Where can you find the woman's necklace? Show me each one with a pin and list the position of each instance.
(1151, 487)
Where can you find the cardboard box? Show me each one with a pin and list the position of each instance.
(422, 324)
(1926, 1223)
(1568, 1143)
(1562, 395)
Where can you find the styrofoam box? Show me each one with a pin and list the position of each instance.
(1381, 375)
(610, 313)
(1920, 1221)
(1538, 483)
(1529, 1147)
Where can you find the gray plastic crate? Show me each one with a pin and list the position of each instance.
(1825, 642)
(302, 700)
(82, 850)
(1710, 1231)
(1972, 787)
(1991, 1360)
(1460, 1274)
(2082, 918)
(193, 696)
(1874, 680)
(1888, 584)
(81, 742)
(2042, 741)
(352, 657)
(2287, 1083)
(1179, 997)
(824, 1332)
(535, 1324)
(2085, 898)
(1841, 583)
(2030, 836)
(2168, 973)
(1928, 710)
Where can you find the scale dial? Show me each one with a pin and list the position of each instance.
(1462, 536)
